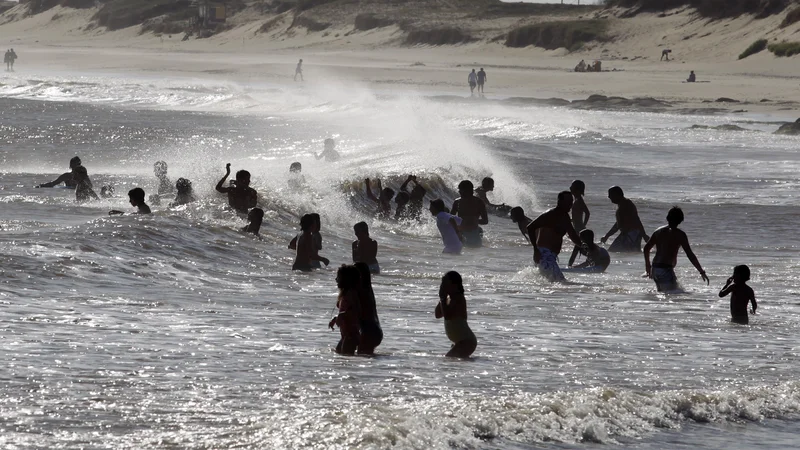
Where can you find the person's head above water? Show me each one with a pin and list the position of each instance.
(577, 187)
(451, 284)
(517, 214)
(587, 236)
(674, 217)
(565, 200)
(347, 277)
(183, 186)
(402, 198)
(329, 144)
(487, 184)
(75, 162)
(741, 274)
(307, 222)
(361, 229)
(295, 167)
(136, 196)
(160, 168)
(437, 206)
(242, 179)
(387, 194)
(615, 194)
(466, 188)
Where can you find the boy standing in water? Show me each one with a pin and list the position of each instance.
(365, 249)
(242, 197)
(518, 217)
(136, 197)
(741, 294)
(631, 230)
(472, 211)
(668, 240)
(66, 178)
(449, 227)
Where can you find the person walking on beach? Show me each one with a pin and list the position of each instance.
(628, 224)
(299, 71)
(452, 307)
(668, 240)
(665, 54)
(472, 79)
(741, 294)
(472, 211)
(482, 79)
(547, 232)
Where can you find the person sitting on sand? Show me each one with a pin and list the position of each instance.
(628, 224)
(472, 211)
(487, 185)
(83, 186)
(692, 77)
(548, 230)
(384, 202)
(329, 153)
(415, 198)
(306, 252)
(741, 294)
(668, 240)
(185, 193)
(597, 258)
(472, 79)
(452, 307)
(66, 178)
(518, 217)
(348, 280)
(241, 197)
(136, 197)
(368, 323)
(365, 249)
(581, 67)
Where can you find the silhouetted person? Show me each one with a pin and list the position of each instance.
(452, 307)
(665, 54)
(548, 232)
(83, 185)
(413, 210)
(66, 178)
(482, 79)
(692, 77)
(329, 153)
(472, 79)
(136, 197)
(368, 323)
(299, 71)
(241, 197)
(668, 240)
(184, 192)
(741, 294)
(348, 280)
(472, 211)
(518, 217)
(628, 224)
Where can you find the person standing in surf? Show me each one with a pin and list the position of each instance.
(668, 240)
(299, 71)
(329, 153)
(368, 323)
(487, 185)
(472, 211)
(365, 249)
(66, 178)
(83, 185)
(242, 198)
(628, 224)
(384, 202)
(482, 79)
(547, 231)
(452, 307)
(348, 280)
(580, 214)
(449, 227)
(741, 294)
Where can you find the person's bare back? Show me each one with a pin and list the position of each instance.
(668, 242)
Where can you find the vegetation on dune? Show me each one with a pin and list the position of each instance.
(792, 17)
(438, 36)
(117, 14)
(715, 9)
(785, 48)
(369, 21)
(754, 48)
(570, 34)
(309, 23)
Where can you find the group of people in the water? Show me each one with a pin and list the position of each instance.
(459, 226)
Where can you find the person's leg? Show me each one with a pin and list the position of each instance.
(463, 349)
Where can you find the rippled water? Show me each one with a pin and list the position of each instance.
(177, 331)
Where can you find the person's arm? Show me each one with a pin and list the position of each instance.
(220, 187)
(532, 228)
(646, 251)
(586, 215)
(576, 238)
(753, 300)
(404, 186)
(438, 313)
(574, 255)
(252, 198)
(370, 195)
(690, 254)
(454, 224)
(524, 231)
(483, 216)
(454, 210)
(727, 288)
(293, 243)
(635, 213)
(610, 233)
(324, 260)
(94, 194)
(63, 178)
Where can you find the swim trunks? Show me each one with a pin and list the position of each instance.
(743, 320)
(548, 265)
(664, 276)
(458, 330)
(473, 238)
(627, 242)
(374, 269)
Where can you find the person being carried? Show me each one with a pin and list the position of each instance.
(548, 230)
(241, 197)
(83, 186)
(449, 227)
(384, 202)
(348, 280)
(299, 71)
(413, 209)
(136, 197)
(597, 258)
(741, 294)
(452, 307)
(305, 247)
(184, 193)
(482, 79)
(692, 77)
(368, 323)
(329, 153)
(580, 213)
(628, 224)
(518, 217)
(668, 240)
(472, 211)
(472, 79)
(487, 185)
(365, 249)
(66, 178)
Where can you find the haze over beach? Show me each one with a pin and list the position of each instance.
(182, 329)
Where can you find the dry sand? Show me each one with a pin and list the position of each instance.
(57, 40)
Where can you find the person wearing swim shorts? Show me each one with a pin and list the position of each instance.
(668, 240)
(472, 211)
(547, 231)
(365, 249)
(452, 307)
(628, 224)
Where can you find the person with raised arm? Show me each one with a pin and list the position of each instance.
(741, 295)
(329, 153)
(242, 198)
(384, 202)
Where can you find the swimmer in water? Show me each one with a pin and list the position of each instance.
(136, 197)
(296, 180)
(449, 227)
(472, 211)
(241, 197)
(384, 202)
(597, 258)
(185, 193)
(365, 249)
(83, 186)
(741, 295)
(165, 186)
(668, 240)
(628, 224)
(348, 280)
(368, 323)
(453, 307)
(329, 153)
(518, 217)
(413, 210)
(66, 178)
(548, 230)
(305, 248)
(487, 185)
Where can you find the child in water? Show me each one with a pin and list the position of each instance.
(348, 280)
(741, 294)
(304, 244)
(83, 186)
(453, 307)
(597, 258)
(136, 197)
(365, 249)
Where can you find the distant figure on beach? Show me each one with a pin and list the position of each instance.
(83, 185)
(329, 153)
(581, 67)
(472, 79)
(449, 227)
(628, 224)
(136, 197)
(413, 210)
(242, 198)
(597, 258)
(665, 54)
(548, 230)
(66, 178)
(299, 71)
(668, 240)
(482, 79)
(384, 202)
(306, 253)
(741, 294)
(518, 217)
(580, 213)
(297, 181)
(365, 249)
(184, 193)
(487, 185)
(452, 307)
(9, 59)
(348, 280)
(368, 323)
(692, 77)
(472, 211)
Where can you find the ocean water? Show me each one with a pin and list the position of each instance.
(177, 331)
